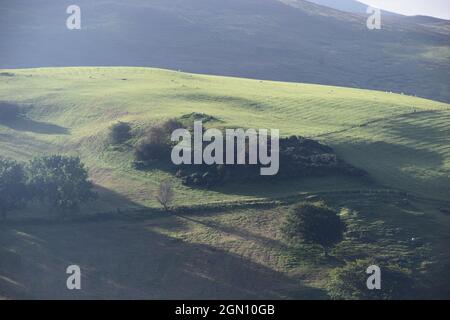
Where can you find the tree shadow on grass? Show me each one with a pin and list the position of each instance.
(108, 205)
(28, 125)
(122, 258)
(238, 232)
(276, 187)
(125, 260)
(401, 166)
(299, 253)
(12, 116)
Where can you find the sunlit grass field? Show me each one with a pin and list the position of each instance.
(403, 142)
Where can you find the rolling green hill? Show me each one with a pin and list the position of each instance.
(283, 40)
(234, 248)
(401, 141)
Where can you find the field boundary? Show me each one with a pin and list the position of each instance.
(265, 203)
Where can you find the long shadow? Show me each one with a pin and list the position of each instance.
(228, 100)
(125, 259)
(387, 162)
(12, 116)
(286, 187)
(108, 205)
(28, 125)
(421, 131)
(311, 255)
(275, 188)
(238, 232)
(122, 260)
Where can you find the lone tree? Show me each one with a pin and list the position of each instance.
(61, 181)
(350, 282)
(314, 223)
(165, 194)
(13, 190)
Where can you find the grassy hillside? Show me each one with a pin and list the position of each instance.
(401, 141)
(285, 40)
(222, 252)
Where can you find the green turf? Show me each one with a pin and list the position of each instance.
(402, 141)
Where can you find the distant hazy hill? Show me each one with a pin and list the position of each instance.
(289, 40)
(343, 5)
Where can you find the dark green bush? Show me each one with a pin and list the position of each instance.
(119, 133)
(155, 143)
(314, 223)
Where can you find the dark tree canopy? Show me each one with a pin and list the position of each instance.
(61, 181)
(13, 189)
(314, 223)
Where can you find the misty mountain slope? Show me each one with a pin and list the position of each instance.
(352, 6)
(264, 39)
(343, 5)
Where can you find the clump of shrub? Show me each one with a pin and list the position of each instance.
(350, 282)
(155, 144)
(119, 133)
(299, 157)
(314, 223)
